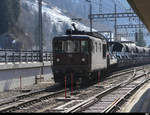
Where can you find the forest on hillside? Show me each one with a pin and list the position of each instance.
(9, 13)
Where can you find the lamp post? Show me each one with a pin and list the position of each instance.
(90, 16)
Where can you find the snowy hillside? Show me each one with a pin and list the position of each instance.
(54, 22)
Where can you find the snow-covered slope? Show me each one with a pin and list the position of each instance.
(55, 22)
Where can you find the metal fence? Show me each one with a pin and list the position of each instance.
(24, 56)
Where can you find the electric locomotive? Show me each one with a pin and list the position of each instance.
(79, 53)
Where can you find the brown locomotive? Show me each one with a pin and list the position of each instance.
(80, 53)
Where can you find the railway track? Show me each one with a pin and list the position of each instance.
(125, 71)
(24, 100)
(44, 100)
(107, 101)
(111, 100)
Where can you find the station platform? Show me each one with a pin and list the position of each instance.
(139, 102)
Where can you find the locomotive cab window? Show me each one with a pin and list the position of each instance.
(70, 46)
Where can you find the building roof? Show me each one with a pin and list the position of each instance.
(142, 9)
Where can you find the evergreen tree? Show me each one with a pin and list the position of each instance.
(3, 16)
(9, 13)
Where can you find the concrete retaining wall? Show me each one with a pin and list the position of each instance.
(12, 73)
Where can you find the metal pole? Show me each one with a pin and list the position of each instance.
(71, 83)
(139, 30)
(90, 16)
(65, 86)
(40, 35)
(115, 22)
(110, 36)
(20, 83)
(100, 6)
(40, 31)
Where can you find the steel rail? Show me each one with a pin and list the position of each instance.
(81, 106)
(117, 105)
(19, 101)
(23, 96)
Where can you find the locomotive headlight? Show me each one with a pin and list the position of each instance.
(83, 59)
(58, 60)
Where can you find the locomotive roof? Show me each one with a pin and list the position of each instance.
(84, 35)
(78, 32)
(64, 37)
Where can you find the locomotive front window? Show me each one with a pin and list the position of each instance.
(70, 46)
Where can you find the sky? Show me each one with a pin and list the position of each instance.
(80, 8)
(122, 6)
